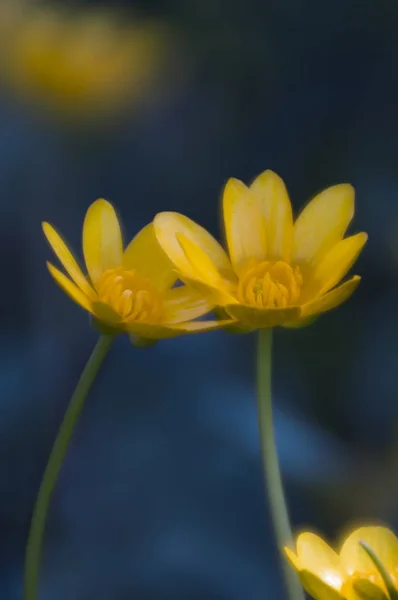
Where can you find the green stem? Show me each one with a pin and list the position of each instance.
(273, 481)
(36, 532)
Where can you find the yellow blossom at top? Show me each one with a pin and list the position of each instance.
(350, 573)
(127, 291)
(79, 62)
(277, 271)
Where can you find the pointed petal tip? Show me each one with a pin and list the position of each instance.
(322, 223)
(71, 289)
(346, 189)
(292, 558)
(160, 216)
(269, 175)
(97, 205)
(331, 299)
(101, 201)
(66, 258)
(168, 221)
(48, 230)
(165, 214)
(236, 184)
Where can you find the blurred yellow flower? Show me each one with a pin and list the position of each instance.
(349, 574)
(79, 62)
(127, 291)
(278, 272)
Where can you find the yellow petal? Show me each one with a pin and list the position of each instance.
(169, 225)
(334, 265)
(184, 304)
(277, 210)
(200, 326)
(316, 556)
(146, 256)
(216, 295)
(380, 539)
(245, 226)
(70, 288)
(102, 239)
(106, 314)
(300, 323)
(259, 318)
(317, 589)
(331, 299)
(162, 331)
(201, 265)
(292, 559)
(322, 223)
(67, 259)
(362, 589)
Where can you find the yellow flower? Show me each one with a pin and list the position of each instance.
(130, 291)
(278, 272)
(80, 62)
(349, 574)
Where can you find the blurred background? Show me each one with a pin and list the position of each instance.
(153, 105)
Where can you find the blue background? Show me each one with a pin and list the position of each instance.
(161, 495)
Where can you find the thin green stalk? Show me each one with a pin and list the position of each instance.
(36, 532)
(273, 481)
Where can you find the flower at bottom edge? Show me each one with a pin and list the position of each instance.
(350, 573)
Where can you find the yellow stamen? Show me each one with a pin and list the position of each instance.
(131, 296)
(270, 285)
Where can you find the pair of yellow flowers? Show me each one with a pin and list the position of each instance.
(275, 271)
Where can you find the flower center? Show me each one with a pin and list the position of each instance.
(131, 296)
(270, 285)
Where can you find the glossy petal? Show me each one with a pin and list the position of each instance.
(70, 288)
(251, 316)
(317, 589)
(169, 225)
(201, 266)
(67, 259)
(380, 539)
(184, 304)
(161, 331)
(315, 555)
(277, 210)
(362, 589)
(102, 239)
(245, 226)
(146, 256)
(335, 265)
(322, 223)
(331, 299)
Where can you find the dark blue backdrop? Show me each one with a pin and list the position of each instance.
(161, 495)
